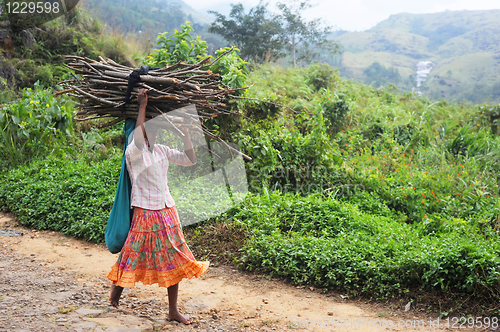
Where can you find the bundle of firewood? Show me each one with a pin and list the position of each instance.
(102, 85)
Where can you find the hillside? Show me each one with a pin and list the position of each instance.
(149, 17)
(464, 47)
(124, 30)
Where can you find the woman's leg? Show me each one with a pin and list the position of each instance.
(173, 311)
(114, 297)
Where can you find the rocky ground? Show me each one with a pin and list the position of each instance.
(49, 282)
(35, 298)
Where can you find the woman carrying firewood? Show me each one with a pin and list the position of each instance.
(155, 250)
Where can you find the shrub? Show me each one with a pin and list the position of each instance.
(296, 156)
(322, 76)
(69, 196)
(335, 108)
(334, 245)
(178, 47)
(34, 125)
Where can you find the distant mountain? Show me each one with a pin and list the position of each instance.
(464, 47)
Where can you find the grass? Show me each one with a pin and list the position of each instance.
(66, 310)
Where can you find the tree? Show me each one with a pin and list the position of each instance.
(377, 75)
(302, 37)
(256, 34)
(262, 35)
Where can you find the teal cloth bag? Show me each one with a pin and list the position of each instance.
(121, 213)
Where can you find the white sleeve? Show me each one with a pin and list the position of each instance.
(176, 157)
(132, 152)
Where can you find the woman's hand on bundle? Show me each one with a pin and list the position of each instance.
(142, 97)
(188, 145)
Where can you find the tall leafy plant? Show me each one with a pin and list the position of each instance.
(33, 125)
(177, 47)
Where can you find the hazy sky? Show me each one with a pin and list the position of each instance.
(357, 15)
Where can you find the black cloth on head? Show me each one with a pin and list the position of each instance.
(135, 77)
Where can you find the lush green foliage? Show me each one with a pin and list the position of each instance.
(298, 157)
(70, 196)
(402, 149)
(177, 47)
(330, 244)
(181, 47)
(231, 67)
(423, 176)
(33, 126)
(420, 183)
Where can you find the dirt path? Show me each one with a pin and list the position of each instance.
(49, 282)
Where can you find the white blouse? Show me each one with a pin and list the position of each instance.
(148, 174)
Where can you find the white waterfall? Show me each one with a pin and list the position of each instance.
(424, 68)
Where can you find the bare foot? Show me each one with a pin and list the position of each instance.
(177, 316)
(114, 297)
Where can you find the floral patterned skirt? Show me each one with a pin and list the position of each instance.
(155, 251)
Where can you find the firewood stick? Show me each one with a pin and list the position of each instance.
(93, 97)
(117, 64)
(145, 78)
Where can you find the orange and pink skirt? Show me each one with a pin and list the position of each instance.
(155, 251)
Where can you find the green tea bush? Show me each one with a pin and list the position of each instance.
(369, 202)
(418, 187)
(334, 245)
(69, 196)
(291, 155)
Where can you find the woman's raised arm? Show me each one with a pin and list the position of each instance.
(188, 145)
(140, 134)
